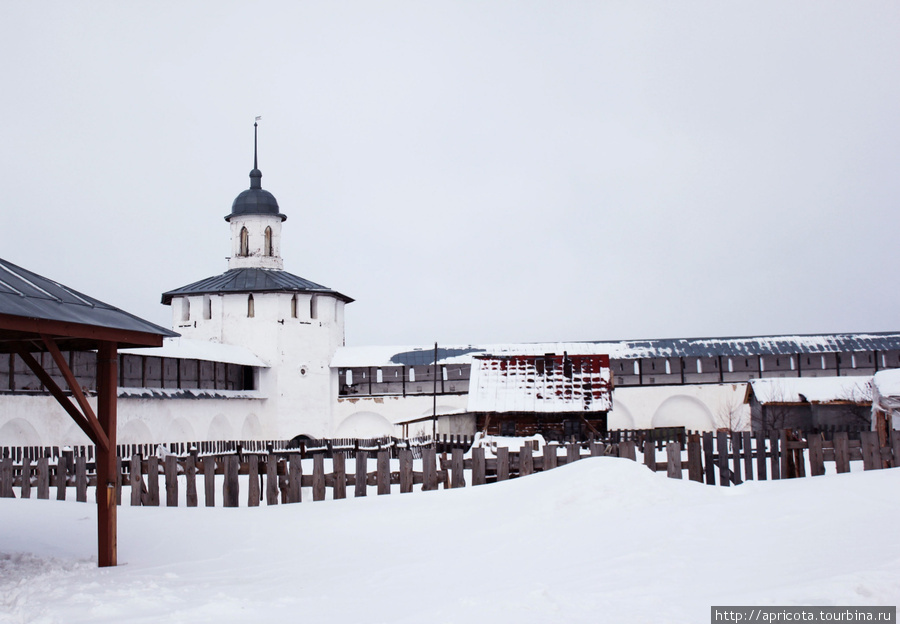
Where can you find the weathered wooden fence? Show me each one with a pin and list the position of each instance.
(276, 477)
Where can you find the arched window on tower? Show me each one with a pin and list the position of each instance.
(185, 309)
(251, 309)
(313, 307)
(268, 243)
(207, 307)
(294, 306)
(245, 242)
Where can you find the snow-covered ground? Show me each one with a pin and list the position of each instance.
(602, 540)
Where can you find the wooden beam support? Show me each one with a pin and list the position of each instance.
(91, 428)
(107, 376)
(74, 387)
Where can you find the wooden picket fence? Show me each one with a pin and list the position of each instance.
(277, 476)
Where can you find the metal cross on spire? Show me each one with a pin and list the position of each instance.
(255, 124)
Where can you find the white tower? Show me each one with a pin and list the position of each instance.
(291, 323)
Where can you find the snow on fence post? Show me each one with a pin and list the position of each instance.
(673, 460)
(253, 480)
(478, 466)
(61, 478)
(362, 478)
(339, 485)
(230, 488)
(318, 480)
(190, 477)
(171, 470)
(209, 480)
(502, 464)
(153, 481)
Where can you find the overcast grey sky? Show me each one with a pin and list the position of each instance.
(471, 171)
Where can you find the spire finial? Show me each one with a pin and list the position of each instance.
(256, 174)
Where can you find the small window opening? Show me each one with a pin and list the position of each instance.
(730, 365)
(294, 306)
(207, 307)
(313, 307)
(251, 308)
(823, 362)
(668, 367)
(268, 242)
(637, 367)
(444, 374)
(349, 377)
(412, 374)
(245, 242)
(185, 309)
(792, 362)
(379, 376)
(699, 367)
(852, 361)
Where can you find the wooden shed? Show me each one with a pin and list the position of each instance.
(38, 315)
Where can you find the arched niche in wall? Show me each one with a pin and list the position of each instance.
(20, 432)
(620, 417)
(251, 428)
(220, 429)
(134, 432)
(180, 430)
(364, 425)
(684, 411)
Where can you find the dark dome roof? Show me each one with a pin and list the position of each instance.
(255, 200)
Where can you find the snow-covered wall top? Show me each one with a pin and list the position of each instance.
(626, 349)
(811, 389)
(538, 383)
(187, 349)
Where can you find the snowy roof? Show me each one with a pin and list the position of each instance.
(187, 393)
(543, 384)
(887, 383)
(626, 349)
(251, 280)
(811, 389)
(187, 349)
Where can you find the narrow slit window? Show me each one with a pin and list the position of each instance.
(245, 243)
(207, 307)
(268, 242)
(412, 375)
(637, 367)
(185, 309)
(379, 376)
(313, 307)
(251, 308)
(699, 367)
(294, 306)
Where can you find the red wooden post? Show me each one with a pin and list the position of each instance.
(107, 376)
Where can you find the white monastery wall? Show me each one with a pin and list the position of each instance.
(698, 407)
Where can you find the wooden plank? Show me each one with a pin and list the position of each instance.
(709, 467)
(362, 468)
(43, 478)
(253, 490)
(406, 471)
(478, 466)
(81, 479)
(271, 479)
(153, 481)
(526, 460)
(650, 455)
(61, 478)
(318, 486)
(295, 479)
(761, 451)
(747, 449)
(383, 472)
(171, 470)
(841, 452)
(25, 491)
(598, 449)
(695, 458)
(673, 460)
(895, 446)
(774, 455)
(816, 456)
(339, 485)
(429, 469)
(573, 452)
(118, 480)
(6, 478)
(549, 457)
(870, 450)
(457, 478)
(785, 455)
(190, 477)
(736, 440)
(209, 480)
(502, 464)
(626, 450)
(722, 450)
(230, 485)
(135, 481)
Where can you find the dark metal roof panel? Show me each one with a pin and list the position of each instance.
(251, 280)
(29, 295)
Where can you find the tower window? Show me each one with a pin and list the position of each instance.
(268, 242)
(313, 307)
(207, 307)
(185, 309)
(294, 306)
(245, 243)
(251, 309)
